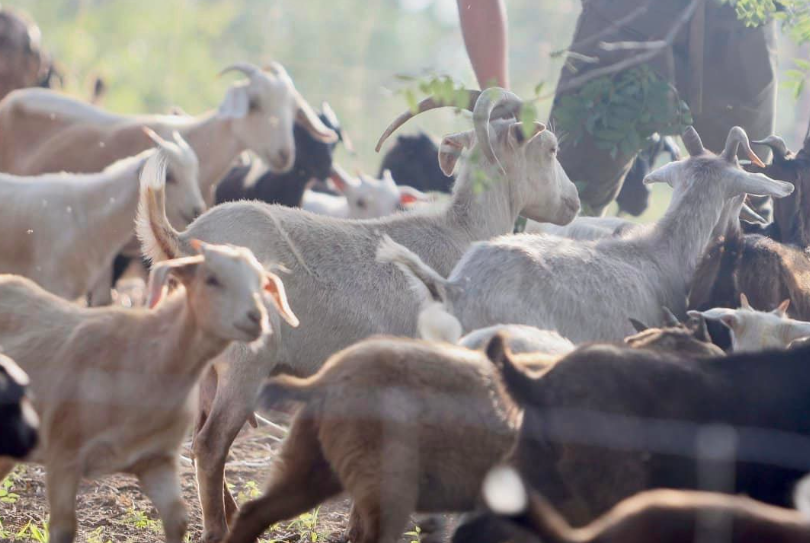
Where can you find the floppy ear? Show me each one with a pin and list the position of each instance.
(760, 184)
(275, 288)
(236, 103)
(184, 268)
(409, 195)
(725, 315)
(664, 174)
(450, 149)
(519, 135)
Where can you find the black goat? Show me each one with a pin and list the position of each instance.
(414, 161)
(313, 160)
(18, 423)
(634, 198)
(605, 422)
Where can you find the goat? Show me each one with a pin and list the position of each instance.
(790, 225)
(18, 420)
(604, 423)
(64, 230)
(691, 338)
(657, 516)
(634, 196)
(753, 330)
(44, 131)
(313, 160)
(585, 228)
(587, 290)
(360, 198)
(342, 292)
(24, 62)
(380, 392)
(412, 162)
(769, 272)
(114, 387)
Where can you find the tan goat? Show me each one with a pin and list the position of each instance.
(43, 131)
(113, 387)
(400, 424)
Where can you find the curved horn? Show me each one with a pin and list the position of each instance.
(669, 318)
(425, 105)
(692, 142)
(777, 145)
(244, 67)
(737, 137)
(490, 99)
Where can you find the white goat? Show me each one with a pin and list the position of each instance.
(336, 287)
(587, 290)
(361, 198)
(114, 387)
(64, 230)
(585, 228)
(753, 330)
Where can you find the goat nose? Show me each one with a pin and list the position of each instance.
(254, 316)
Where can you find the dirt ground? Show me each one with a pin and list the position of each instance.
(114, 510)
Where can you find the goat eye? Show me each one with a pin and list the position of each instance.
(553, 150)
(170, 179)
(212, 281)
(253, 105)
(361, 204)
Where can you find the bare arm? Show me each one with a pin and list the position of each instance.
(483, 25)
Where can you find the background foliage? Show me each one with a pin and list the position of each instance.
(155, 54)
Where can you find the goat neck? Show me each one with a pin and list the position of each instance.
(483, 212)
(216, 146)
(685, 230)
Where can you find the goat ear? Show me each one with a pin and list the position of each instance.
(520, 135)
(309, 120)
(275, 288)
(450, 150)
(341, 179)
(783, 308)
(638, 325)
(725, 315)
(759, 184)
(664, 174)
(155, 137)
(744, 303)
(159, 276)
(236, 103)
(409, 195)
(14, 371)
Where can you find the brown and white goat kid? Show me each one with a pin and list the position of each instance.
(113, 387)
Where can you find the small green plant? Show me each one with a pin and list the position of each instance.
(7, 494)
(414, 534)
(97, 536)
(622, 111)
(34, 531)
(250, 491)
(139, 520)
(306, 526)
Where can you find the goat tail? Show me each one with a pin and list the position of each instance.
(159, 240)
(286, 388)
(516, 377)
(422, 277)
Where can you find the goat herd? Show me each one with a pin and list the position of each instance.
(647, 432)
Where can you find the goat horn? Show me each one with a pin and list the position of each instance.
(692, 142)
(737, 137)
(748, 214)
(425, 105)
(777, 145)
(638, 325)
(244, 67)
(485, 106)
(669, 318)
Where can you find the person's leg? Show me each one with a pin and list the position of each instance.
(598, 174)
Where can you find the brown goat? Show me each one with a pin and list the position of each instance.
(402, 425)
(690, 338)
(657, 516)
